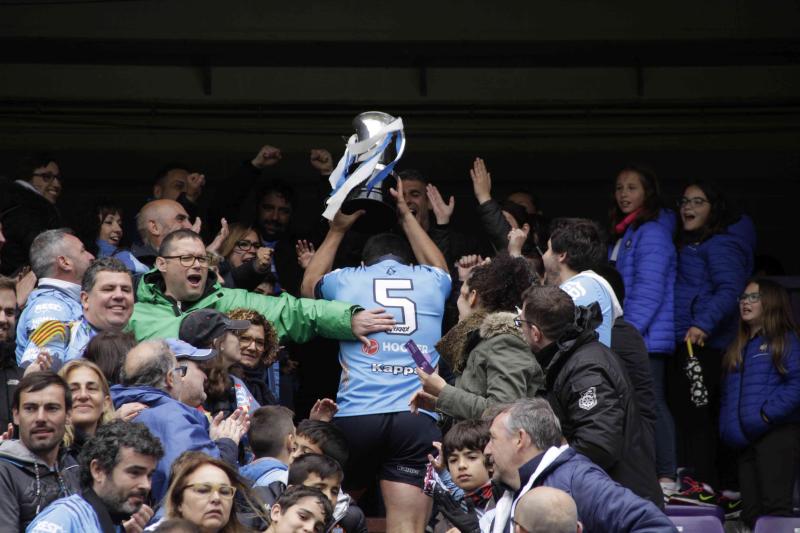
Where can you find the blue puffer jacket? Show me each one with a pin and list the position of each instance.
(178, 427)
(603, 504)
(647, 263)
(711, 275)
(756, 388)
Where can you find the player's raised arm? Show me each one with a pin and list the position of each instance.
(322, 262)
(425, 250)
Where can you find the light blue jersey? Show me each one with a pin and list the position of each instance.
(66, 515)
(586, 288)
(53, 300)
(382, 378)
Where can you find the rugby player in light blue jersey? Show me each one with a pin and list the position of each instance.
(574, 248)
(379, 377)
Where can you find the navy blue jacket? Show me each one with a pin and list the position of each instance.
(711, 275)
(755, 391)
(603, 504)
(647, 263)
(179, 428)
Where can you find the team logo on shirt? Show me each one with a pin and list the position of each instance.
(588, 399)
(372, 349)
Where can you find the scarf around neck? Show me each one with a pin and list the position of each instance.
(620, 228)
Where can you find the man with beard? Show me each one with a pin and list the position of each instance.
(107, 301)
(35, 470)
(424, 199)
(59, 261)
(574, 248)
(10, 373)
(116, 465)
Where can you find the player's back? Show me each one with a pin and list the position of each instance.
(382, 377)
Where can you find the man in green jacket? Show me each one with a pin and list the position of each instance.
(180, 283)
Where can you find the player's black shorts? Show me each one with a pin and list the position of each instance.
(391, 446)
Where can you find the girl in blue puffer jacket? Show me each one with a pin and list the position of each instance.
(714, 262)
(760, 407)
(644, 254)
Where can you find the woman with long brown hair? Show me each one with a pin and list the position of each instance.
(760, 407)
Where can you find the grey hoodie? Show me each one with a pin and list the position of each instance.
(28, 485)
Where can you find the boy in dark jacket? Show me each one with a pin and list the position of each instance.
(464, 469)
(325, 474)
(319, 437)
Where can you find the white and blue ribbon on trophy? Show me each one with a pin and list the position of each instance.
(367, 153)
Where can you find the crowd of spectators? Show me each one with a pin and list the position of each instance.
(171, 369)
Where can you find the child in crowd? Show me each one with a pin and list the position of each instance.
(300, 509)
(314, 438)
(272, 439)
(463, 469)
(324, 473)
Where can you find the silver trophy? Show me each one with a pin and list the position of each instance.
(372, 145)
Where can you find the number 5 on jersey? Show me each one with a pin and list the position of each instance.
(386, 295)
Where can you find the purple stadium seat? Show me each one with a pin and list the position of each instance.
(697, 524)
(695, 510)
(777, 524)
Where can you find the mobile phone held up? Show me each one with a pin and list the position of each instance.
(420, 358)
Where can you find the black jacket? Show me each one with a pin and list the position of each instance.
(24, 215)
(628, 344)
(592, 395)
(28, 485)
(10, 374)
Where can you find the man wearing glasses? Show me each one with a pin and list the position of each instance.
(115, 475)
(165, 377)
(181, 284)
(27, 208)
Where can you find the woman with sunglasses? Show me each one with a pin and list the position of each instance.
(760, 407)
(202, 491)
(245, 260)
(714, 262)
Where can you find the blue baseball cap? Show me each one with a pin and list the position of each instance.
(184, 350)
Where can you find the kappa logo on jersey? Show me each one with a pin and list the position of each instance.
(588, 399)
(372, 349)
(393, 369)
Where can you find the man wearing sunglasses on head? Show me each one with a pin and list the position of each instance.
(181, 283)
